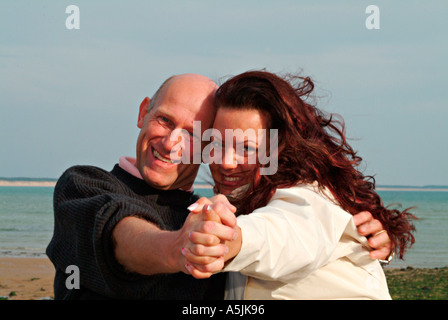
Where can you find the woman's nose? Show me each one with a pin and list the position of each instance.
(229, 160)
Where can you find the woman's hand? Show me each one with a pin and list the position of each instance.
(373, 229)
(202, 258)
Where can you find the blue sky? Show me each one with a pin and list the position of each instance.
(71, 96)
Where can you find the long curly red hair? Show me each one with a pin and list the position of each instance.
(311, 147)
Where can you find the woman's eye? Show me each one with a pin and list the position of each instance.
(249, 149)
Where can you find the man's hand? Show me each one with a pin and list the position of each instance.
(202, 242)
(142, 247)
(214, 211)
(373, 229)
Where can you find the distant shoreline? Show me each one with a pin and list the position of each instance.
(410, 189)
(24, 183)
(52, 183)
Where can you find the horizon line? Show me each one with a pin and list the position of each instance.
(5, 182)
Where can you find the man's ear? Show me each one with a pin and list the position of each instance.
(143, 111)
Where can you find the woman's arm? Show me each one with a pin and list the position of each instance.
(364, 221)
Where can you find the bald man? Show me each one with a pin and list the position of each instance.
(150, 194)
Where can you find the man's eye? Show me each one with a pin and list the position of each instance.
(164, 121)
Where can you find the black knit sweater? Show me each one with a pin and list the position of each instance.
(88, 203)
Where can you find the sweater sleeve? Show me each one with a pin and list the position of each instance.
(88, 203)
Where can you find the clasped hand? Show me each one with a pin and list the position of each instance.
(211, 227)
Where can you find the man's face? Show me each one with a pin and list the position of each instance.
(182, 100)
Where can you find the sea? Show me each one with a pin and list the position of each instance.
(26, 222)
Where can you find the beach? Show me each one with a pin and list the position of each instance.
(32, 279)
(26, 278)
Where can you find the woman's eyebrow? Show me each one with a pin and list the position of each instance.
(216, 138)
(246, 141)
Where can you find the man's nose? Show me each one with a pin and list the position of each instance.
(171, 143)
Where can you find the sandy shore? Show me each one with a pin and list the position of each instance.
(26, 278)
(32, 279)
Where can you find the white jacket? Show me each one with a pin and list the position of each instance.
(303, 246)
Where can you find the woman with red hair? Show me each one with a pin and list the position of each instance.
(297, 235)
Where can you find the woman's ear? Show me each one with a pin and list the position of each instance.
(143, 111)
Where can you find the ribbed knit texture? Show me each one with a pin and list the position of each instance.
(88, 203)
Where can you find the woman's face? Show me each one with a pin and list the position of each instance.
(235, 147)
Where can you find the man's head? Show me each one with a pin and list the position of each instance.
(180, 100)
